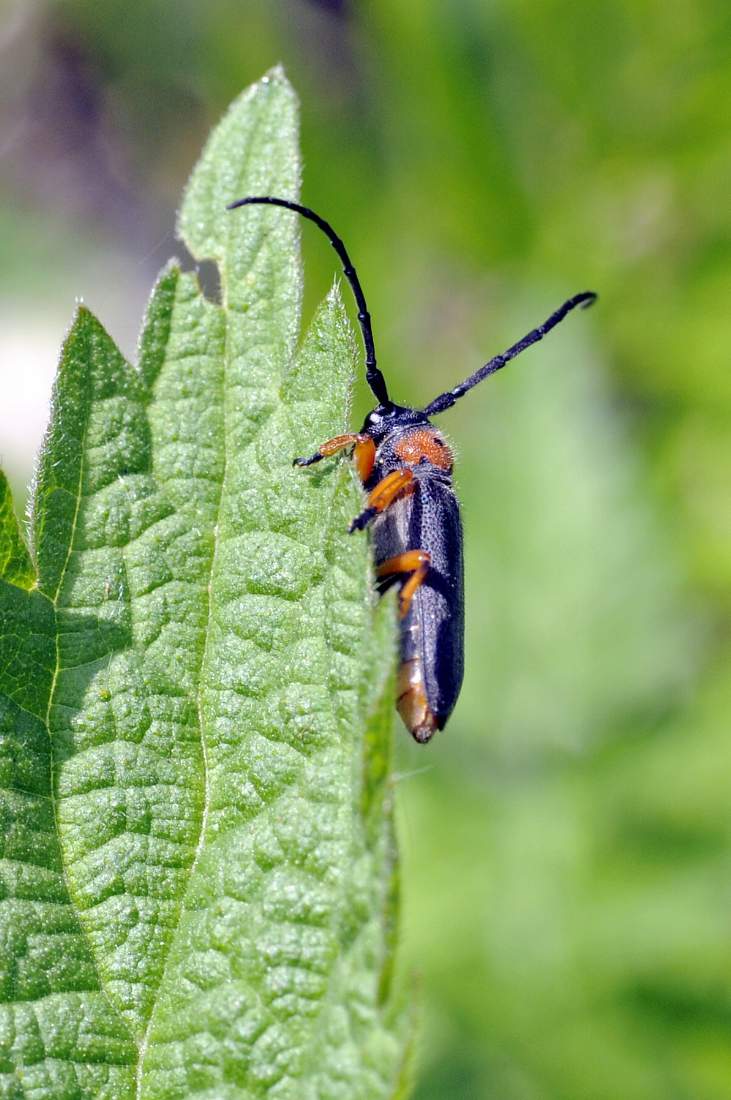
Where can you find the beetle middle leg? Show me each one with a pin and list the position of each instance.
(382, 495)
(415, 562)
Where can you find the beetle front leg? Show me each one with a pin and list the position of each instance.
(363, 445)
(415, 562)
(383, 495)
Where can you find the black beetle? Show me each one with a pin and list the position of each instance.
(405, 465)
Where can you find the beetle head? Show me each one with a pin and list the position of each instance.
(385, 419)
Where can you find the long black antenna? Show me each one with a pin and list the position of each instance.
(374, 377)
(446, 400)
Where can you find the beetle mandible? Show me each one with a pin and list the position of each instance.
(405, 465)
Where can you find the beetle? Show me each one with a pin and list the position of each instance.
(406, 464)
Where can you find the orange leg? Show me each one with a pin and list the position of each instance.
(364, 447)
(383, 495)
(364, 454)
(415, 562)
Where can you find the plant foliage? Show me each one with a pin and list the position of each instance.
(198, 867)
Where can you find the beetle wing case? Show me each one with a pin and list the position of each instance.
(432, 631)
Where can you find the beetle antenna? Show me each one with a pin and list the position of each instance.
(446, 400)
(374, 377)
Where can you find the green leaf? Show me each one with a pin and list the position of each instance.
(197, 702)
(15, 564)
(59, 1034)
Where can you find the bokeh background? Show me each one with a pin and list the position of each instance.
(567, 842)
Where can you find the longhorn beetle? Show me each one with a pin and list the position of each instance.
(405, 465)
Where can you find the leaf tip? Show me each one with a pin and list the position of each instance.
(82, 317)
(334, 296)
(273, 83)
(171, 269)
(335, 304)
(84, 325)
(275, 75)
(155, 331)
(16, 566)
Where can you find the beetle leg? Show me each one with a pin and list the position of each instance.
(383, 495)
(332, 446)
(415, 562)
(364, 454)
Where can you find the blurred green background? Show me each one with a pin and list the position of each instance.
(567, 842)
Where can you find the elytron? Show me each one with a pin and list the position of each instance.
(406, 465)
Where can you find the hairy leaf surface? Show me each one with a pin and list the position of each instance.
(199, 864)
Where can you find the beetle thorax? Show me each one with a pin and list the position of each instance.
(424, 445)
